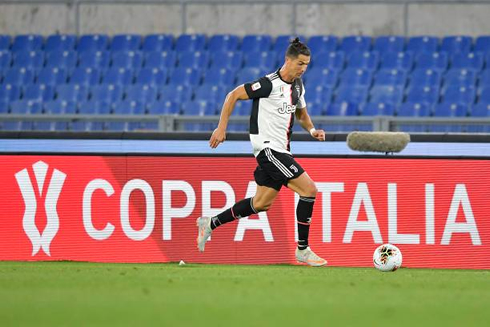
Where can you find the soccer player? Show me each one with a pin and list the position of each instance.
(277, 99)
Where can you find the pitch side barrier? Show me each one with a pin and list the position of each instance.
(134, 197)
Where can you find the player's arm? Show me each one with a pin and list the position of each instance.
(304, 120)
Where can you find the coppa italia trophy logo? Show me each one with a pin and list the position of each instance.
(40, 240)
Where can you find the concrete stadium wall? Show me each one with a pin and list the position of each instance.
(273, 17)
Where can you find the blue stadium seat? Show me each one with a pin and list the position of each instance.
(484, 95)
(256, 43)
(9, 92)
(227, 59)
(85, 76)
(456, 44)
(72, 92)
(94, 59)
(21, 107)
(425, 77)
(143, 126)
(127, 59)
(363, 60)
(52, 76)
(460, 77)
(5, 41)
(38, 92)
(93, 42)
(342, 108)
(94, 108)
(481, 109)
(118, 76)
(27, 42)
(264, 60)
(223, 42)
(48, 126)
(325, 77)
(414, 109)
(190, 42)
(152, 76)
(322, 43)
(331, 60)
(85, 126)
(482, 44)
(160, 59)
(386, 94)
(10, 126)
(194, 59)
(29, 59)
(397, 60)
(219, 76)
(282, 42)
(141, 93)
(209, 92)
(355, 94)
(417, 44)
(199, 108)
(128, 107)
(356, 77)
(378, 109)
(163, 107)
(116, 126)
(319, 94)
(185, 76)
(158, 43)
(237, 127)
(62, 59)
(389, 43)
(106, 93)
(242, 108)
(437, 61)
(58, 107)
(448, 109)
(391, 77)
(126, 42)
(470, 61)
(5, 60)
(315, 108)
(354, 43)
(60, 42)
(4, 107)
(423, 94)
(26, 125)
(18, 76)
(175, 92)
(247, 75)
(484, 79)
(459, 94)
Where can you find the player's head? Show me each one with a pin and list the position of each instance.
(297, 57)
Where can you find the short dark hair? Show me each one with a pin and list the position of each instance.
(296, 47)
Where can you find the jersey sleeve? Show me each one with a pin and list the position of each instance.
(301, 101)
(260, 88)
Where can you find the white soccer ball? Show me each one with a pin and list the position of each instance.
(387, 257)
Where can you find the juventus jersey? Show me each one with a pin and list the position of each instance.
(274, 103)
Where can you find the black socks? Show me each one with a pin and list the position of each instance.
(304, 211)
(243, 208)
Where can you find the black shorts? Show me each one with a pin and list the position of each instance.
(276, 169)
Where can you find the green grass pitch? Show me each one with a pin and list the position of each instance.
(97, 294)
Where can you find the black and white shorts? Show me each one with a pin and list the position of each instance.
(276, 169)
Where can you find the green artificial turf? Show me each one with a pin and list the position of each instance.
(97, 294)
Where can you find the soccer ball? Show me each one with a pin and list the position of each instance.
(387, 257)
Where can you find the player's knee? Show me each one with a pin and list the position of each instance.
(262, 205)
(311, 190)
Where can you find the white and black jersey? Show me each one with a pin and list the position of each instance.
(274, 103)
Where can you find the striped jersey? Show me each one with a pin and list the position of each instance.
(274, 103)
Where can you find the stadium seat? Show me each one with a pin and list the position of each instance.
(163, 107)
(355, 43)
(242, 108)
(363, 60)
(160, 59)
(158, 43)
(5, 60)
(437, 61)
(199, 108)
(152, 76)
(237, 127)
(342, 108)
(322, 43)
(4, 107)
(85, 126)
(460, 77)
(62, 59)
(456, 44)
(389, 43)
(94, 59)
(248, 75)
(106, 93)
(116, 126)
(469, 61)
(425, 77)
(142, 126)
(59, 107)
(84, 76)
(9, 92)
(417, 44)
(227, 59)
(414, 109)
(223, 42)
(185, 76)
(325, 77)
(484, 95)
(175, 92)
(210, 92)
(390, 77)
(331, 60)
(219, 76)
(482, 44)
(264, 60)
(315, 108)
(397, 60)
(448, 109)
(22, 107)
(256, 43)
(386, 94)
(127, 59)
(484, 79)
(38, 92)
(319, 94)
(282, 42)
(378, 109)
(356, 77)
(481, 109)
(194, 59)
(27, 42)
(93, 43)
(52, 76)
(94, 108)
(119, 76)
(28, 59)
(126, 42)
(423, 94)
(141, 93)
(60, 42)
(352, 94)
(18, 76)
(128, 107)
(72, 92)
(459, 94)
(190, 42)
(5, 41)
(10, 126)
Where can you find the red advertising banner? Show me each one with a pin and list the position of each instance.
(143, 209)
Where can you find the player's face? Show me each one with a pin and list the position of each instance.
(299, 65)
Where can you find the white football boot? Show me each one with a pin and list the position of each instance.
(309, 257)
(204, 231)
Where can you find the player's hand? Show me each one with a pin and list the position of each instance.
(319, 134)
(218, 136)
